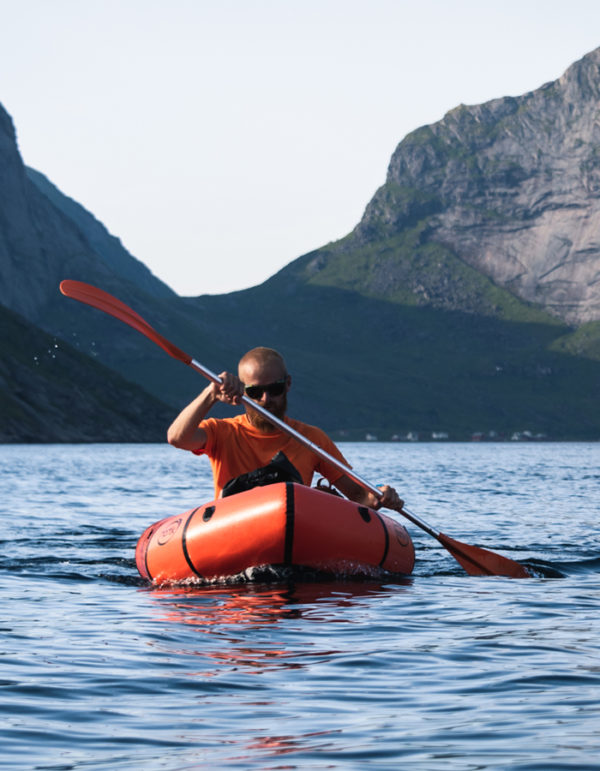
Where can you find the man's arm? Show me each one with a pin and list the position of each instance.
(355, 492)
(184, 432)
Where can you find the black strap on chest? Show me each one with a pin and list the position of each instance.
(280, 469)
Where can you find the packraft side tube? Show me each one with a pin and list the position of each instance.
(280, 524)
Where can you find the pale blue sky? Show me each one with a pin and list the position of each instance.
(221, 139)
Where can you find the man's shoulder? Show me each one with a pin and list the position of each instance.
(320, 438)
(306, 428)
(234, 423)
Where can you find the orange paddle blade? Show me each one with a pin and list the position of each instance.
(103, 301)
(481, 562)
(475, 560)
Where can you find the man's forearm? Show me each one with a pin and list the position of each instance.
(183, 431)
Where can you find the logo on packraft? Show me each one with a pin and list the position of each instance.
(168, 531)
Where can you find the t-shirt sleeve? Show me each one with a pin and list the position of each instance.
(210, 427)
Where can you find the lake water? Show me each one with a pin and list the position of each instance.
(438, 671)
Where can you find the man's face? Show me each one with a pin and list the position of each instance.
(256, 373)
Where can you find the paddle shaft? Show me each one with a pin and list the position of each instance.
(474, 559)
(286, 428)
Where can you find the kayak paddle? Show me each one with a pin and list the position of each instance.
(475, 560)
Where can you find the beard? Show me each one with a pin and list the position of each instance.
(278, 408)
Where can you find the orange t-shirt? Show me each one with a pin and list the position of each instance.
(235, 447)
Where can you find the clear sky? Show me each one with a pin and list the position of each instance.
(221, 139)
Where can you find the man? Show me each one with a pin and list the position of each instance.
(249, 441)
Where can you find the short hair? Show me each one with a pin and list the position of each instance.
(264, 356)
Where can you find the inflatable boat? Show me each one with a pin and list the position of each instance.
(282, 524)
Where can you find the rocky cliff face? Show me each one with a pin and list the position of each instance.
(48, 390)
(415, 322)
(512, 187)
(45, 237)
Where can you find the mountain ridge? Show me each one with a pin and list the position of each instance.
(512, 187)
(406, 300)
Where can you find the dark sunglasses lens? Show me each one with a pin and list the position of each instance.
(273, 389)
(276, 389)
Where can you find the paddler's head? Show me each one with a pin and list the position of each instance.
(266, 381)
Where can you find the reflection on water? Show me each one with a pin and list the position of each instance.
(223, 615)
(440, 672)
(276, 631)
(258, 605)
(284, 745)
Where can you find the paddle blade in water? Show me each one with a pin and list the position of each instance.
(481, 562)
(476, 561)
(103, 301)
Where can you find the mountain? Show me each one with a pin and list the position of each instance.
(98, 240)
(464, 301)
(44, 236)
(365, 365)
(512, 188)
(51, 393)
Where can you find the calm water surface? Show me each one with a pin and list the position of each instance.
(438, 671)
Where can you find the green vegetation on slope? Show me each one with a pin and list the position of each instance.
(362, 364)
(583, 342)
(408, 270)
(51, 393)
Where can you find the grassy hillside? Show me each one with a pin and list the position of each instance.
(385, 338)
(408, 270)
(51, 393)
(363, 364)
(583, 341)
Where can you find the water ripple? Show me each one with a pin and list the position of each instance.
(438, 671)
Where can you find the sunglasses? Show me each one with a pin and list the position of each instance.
(273, 389)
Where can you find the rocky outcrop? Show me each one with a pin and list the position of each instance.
(45, 237)
(512, 187)
(48, 390)
(430, 317)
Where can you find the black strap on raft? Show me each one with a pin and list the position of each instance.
(280, 469)
(326, 487)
